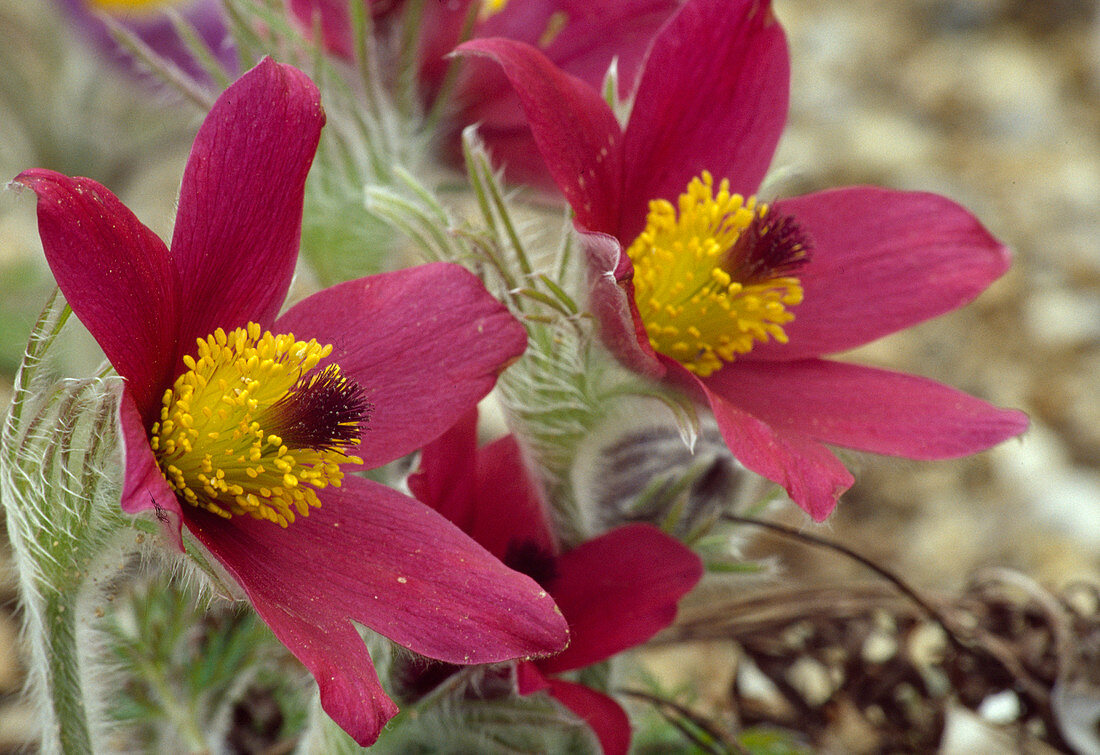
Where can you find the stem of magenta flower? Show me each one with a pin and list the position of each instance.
(46, 330)
(50, 615)
(485, 181)
(479, 171)
(409, 65)
(450, 77)
(381, 140)
(57, 638)
(59, 450)
(199, 50)
(161, 68)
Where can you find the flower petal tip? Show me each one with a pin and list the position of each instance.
(822, 502)
(552, 638)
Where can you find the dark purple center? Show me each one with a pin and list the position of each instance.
(529, 558)
(772, 246)
(324, 411)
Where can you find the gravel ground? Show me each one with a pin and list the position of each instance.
(996, 105)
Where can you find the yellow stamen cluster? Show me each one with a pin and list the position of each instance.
(218, 439)
(132, 6)
(490, 8)
(686, 266)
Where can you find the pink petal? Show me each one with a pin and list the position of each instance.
(590, 33)
(441, 29)
(144, 486)
(812, 476)
(574, 129)
(509, 508)
(336, 30)
(487, 494)
(602, 714)
(426, 343)
(115, 274)
(868, 409)
(618, 590)
(529, 679)
(337, 658)
(611, 300)
(713, 96)
(446, 479)
(240, 211)
(581, 37)
(374, 556)
(882, 260)
(512, 148)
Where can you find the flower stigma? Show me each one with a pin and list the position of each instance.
(714, 276)
(253, 428)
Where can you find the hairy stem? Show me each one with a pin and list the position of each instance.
(57, 640)
(58, 483)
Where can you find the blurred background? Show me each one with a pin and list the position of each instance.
(993, 103)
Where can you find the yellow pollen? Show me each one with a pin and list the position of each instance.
(491, 8)
(697, 298)
(134, 6)
(220, 437)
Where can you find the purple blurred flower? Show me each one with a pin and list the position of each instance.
(149, 21)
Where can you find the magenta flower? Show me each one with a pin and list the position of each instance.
(149, 22)
(582, 37)
(732, 300)
(264, 420)
(616, 591)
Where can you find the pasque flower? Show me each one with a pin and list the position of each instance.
(580, 36)
(734, 300)
(245, 426)
(616, 590)
(149, 21)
